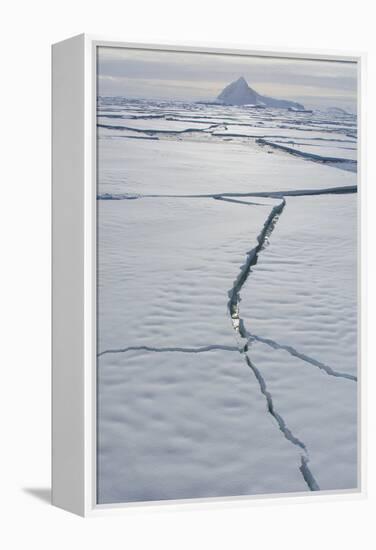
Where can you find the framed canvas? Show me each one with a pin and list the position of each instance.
(206, 275)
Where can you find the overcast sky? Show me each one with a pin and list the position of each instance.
(194, 76)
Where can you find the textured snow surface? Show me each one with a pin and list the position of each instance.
(227, 321)
(303, 290)
(165, 267)
(319, 409)
(184, 425)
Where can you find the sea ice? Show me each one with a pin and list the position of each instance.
(165, 267)
(189, 167)
(187, 425)
(303, 290)
(186, 407)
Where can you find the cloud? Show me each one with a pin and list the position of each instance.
(193, 76)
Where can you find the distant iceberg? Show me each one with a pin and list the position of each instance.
(240, 93)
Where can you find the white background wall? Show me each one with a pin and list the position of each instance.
(27, 30)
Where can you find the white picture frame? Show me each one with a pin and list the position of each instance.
(74, 274)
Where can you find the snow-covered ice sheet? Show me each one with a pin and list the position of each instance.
(188, 167)
(187, 425)
(319, 410)
(195, 401)
(165, 267)
(302, 292)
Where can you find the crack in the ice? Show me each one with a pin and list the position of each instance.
(227, 199)
(233, 305)
(306, 358)
(201, 349)
(269, 400)
(307, 474)
(152, 131)
(251, 260)
(244, 336)
(238, 325)
(337, 162)
(304, 458)
(343, 190)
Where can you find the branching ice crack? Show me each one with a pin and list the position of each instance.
(234, 299)
(292, 351)
(238, 325)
